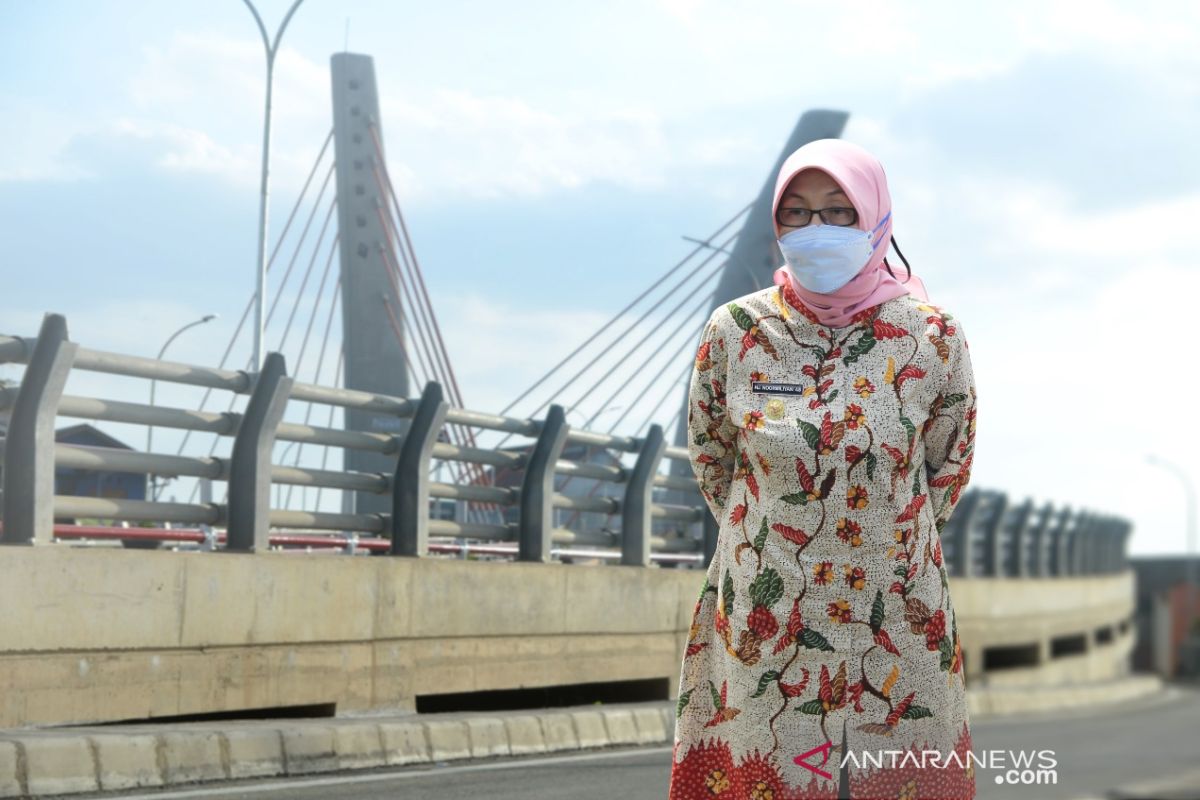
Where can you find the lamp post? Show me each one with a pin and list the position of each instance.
(150, 428)
(1189, 493)
(271, 49)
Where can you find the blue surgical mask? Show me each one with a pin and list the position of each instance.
(825, 257)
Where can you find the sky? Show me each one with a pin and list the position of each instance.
(550, 156)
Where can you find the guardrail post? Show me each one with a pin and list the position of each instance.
(1079, 539)
(1038, 561)
(1091, 540)
(29, 446)
(993, 536)
(250, 465)
(636, 517)
(1083, 549)
(712, 532)
(1019, 541)
(410, 485)
(1102, 547)
(537, 488)
(1110, 550)
(956, 539)
(1098, 549)
(1058, 542)
(1116, 553)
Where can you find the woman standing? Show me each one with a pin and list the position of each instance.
(832, 427)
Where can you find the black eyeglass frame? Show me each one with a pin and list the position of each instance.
(819, 212)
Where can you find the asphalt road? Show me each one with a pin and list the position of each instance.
(1097, 752)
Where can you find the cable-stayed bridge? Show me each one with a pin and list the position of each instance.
(355, 437)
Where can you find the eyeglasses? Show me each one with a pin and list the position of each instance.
(799, 217)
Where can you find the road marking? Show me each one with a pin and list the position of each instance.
(410, 771)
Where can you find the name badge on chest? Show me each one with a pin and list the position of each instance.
(770, 387)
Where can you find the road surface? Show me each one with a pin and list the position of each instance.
(1097, 751)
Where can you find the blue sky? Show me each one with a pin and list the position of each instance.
(549, 156)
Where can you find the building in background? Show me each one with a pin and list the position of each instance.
(96, 483)
(1164, 643)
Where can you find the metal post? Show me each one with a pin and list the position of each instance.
(712, 533)
(250, 465)
(958, 549)
(992, 535)
(150, 428)
(271, 49)
(29, 447)
(537, 489)
(636, 517)
(410, 484)
(1018, 541)
(1079, 539)
(1038, 562)
(1058, 542)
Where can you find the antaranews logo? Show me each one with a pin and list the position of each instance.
(1015, 768)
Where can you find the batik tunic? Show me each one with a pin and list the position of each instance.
(832, 458)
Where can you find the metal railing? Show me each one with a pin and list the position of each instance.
(987, 536)
(983, 537)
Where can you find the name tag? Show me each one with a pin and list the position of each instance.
(767, 387)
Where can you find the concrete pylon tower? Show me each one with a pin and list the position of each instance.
(755, 254)
(374, 359)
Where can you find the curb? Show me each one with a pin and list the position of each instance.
(1000, 702)
(42, 762)
(39, 762)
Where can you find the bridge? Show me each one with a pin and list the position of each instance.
(351, 545)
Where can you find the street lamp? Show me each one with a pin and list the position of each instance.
(738, 262)
(150, 428)
(272, 49)
(1189, 493)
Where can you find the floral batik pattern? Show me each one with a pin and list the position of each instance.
(832, 459)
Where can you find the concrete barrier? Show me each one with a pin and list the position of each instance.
(84, 760)
(100, 635)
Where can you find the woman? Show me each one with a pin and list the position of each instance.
(832, 427)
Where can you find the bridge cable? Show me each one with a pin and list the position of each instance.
(616, 317)
(689, 322)
(250, 303)
(304, 347)
(639, 342)
(402, 261)
(623, 334)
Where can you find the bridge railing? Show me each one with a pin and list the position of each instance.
(985, 537)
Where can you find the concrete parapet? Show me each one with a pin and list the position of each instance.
(135, 635)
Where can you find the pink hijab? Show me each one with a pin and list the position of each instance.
(862, 178)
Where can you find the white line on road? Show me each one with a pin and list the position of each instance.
(412, 771)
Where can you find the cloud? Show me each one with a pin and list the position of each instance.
(193, 107)
(490, 146)
(139, 145)
(1109, 133)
